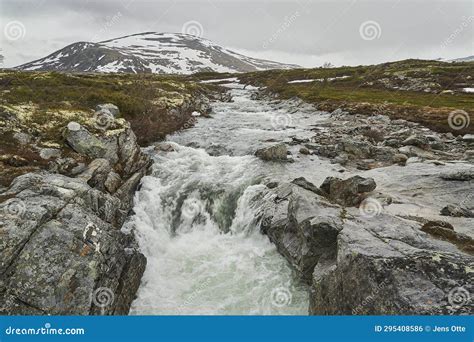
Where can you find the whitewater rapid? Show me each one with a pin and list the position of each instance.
(196, 219)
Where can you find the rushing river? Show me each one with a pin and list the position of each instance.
(195, 215)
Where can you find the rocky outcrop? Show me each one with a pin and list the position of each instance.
(62, 248)
(368, 262)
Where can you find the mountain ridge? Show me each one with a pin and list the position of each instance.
(163, 53)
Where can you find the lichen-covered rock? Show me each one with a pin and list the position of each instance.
(62, 250)
(369, 264)
(108, 107)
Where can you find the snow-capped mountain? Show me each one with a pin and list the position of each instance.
(464, 59)
(151, 52)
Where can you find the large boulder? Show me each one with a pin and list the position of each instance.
(303, 226)
(348, 192)
(277, 152)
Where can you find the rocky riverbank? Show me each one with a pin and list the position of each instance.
(405, 248)
(63, 248)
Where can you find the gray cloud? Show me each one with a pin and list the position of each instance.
(296, 31)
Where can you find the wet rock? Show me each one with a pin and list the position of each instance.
(272, 185)
(303, 226)
(456, 211)
(165, 147)
(445, 231)
(302, 182)
(348, 192)
(277, 152)
(226, 97)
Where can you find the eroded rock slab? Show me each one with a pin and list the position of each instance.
(361, 262)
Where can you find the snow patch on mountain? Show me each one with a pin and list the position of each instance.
(164, 53)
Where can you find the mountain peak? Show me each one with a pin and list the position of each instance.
(168, 53)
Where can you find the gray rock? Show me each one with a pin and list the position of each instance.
(108, 107)
(112, 182)
(468, 137)
(22, 138)
(302, 182)
(48, 153)
(400, 159)
(62, 250)
(84, 142)
(366, 265)
(62, 245)
(413, 160)
(277, 152)
(456, 211)
(413, 151)
(305, 151)
(469, 155)
(415, 140)
(463, 176)
(348, 192)
(302, 226)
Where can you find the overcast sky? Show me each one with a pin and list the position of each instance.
(304, 32)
